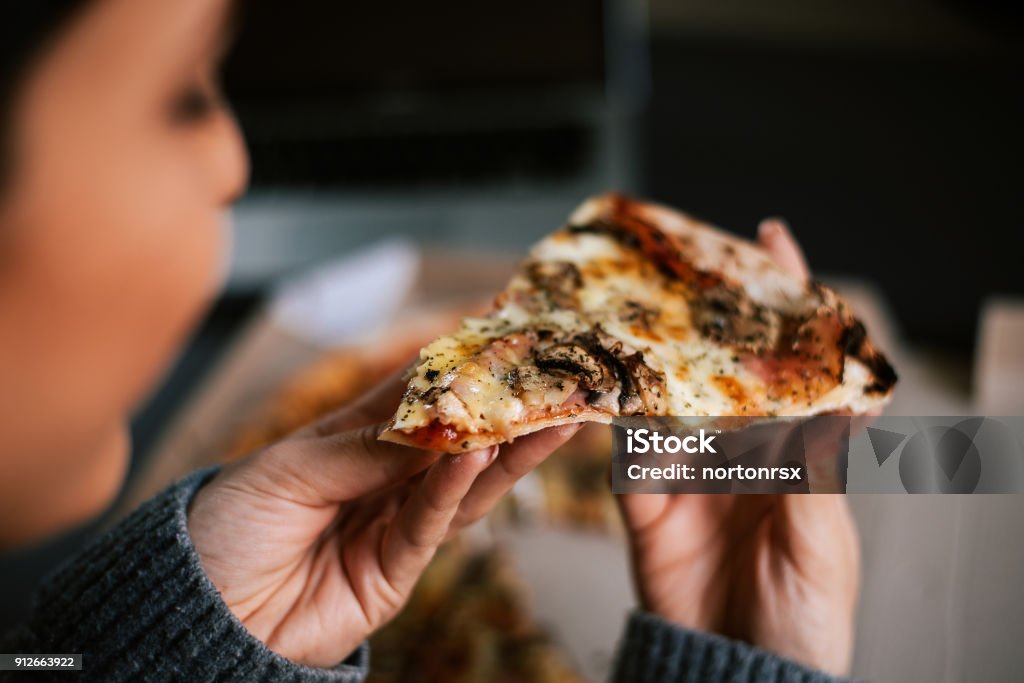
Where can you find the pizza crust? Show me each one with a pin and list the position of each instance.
(473, 442)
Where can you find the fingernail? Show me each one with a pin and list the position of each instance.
(565, 431)
(485, 455)
(769, 228)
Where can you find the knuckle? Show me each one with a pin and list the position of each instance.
(367, 438)
(436, 501)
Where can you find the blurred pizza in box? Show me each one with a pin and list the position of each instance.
(338, 377)
(575, 482)
(467, 621)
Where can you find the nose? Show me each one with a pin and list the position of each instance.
(229, 160)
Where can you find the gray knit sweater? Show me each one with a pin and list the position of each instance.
(138, 606)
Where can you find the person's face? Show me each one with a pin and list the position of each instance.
(113, 237)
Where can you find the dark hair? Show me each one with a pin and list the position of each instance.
(26, 28)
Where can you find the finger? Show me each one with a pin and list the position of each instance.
(653, 516)
(774, 235)
(339, 467)
(809, 523)
(375, 508)
(641, 511)
(513, 462)
(423, 521)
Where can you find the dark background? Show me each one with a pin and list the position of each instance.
(887, 133)
(900, 167)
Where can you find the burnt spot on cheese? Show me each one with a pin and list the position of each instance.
(559, 280)
(431, 375)
(664, 250)
(733, 390)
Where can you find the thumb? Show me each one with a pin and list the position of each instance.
(322, 470)
(774, 235)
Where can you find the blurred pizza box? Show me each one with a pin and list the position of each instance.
(999, 365)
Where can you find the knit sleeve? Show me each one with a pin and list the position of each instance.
(654, 649)
(137, 605)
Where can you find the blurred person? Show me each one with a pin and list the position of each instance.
(119, 162)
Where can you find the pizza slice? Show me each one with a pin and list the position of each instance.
(635, 309)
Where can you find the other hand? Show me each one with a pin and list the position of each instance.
(778, 571)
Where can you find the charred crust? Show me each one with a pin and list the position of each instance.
(855, 344)
(853, 338)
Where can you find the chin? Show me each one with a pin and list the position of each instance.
(102, 482)
(71, 494)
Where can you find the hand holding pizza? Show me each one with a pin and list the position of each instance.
(777, 571)
(317, 541)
